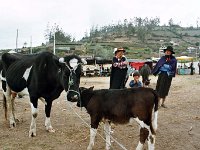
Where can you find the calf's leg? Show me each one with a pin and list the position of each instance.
(93, 130)
(107, 129)
(93, 133)
(151, 141)
(143, 136)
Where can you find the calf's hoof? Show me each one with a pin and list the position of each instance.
(89, 147)
(51, 130)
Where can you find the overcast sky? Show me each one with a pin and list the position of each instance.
(75, 17)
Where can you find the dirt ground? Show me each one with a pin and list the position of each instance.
(178, 125)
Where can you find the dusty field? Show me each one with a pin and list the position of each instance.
(178, 125)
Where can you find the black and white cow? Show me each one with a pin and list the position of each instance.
(121, 106)
(14, 57)
(43, 76)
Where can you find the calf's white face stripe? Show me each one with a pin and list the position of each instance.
(26, 73)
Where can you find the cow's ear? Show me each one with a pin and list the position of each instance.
(61, 60)
(83, 61)
(91, 88)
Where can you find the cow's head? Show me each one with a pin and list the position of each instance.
(71, 76)
(146, 83)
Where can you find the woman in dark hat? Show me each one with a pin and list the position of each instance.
(118, 69)
(166, 70)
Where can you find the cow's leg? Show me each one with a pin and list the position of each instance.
(47, 120)
(143, 136)
(5, 107)
(107, 129)
(34, 111)
(9, 104)
(13, 96)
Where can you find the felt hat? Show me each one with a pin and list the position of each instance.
(169, 48)
(118, 49)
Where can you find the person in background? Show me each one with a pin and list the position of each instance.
(191, 68)
(118, 69)
(199, 66)
(165, 69)
(135, 82)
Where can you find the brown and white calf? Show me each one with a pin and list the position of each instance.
(121, 106)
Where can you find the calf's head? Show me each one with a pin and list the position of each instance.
(85, 95)
(71, 76)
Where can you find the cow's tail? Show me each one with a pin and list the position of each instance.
(5, 107)
(154, 120)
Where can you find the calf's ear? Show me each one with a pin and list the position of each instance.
(91, 88)
(81, 89)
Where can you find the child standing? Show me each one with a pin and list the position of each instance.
(135, 82)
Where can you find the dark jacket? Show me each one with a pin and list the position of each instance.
(118, 73)
(172, 62)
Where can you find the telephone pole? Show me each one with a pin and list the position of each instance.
(31, 45)
(54, 44)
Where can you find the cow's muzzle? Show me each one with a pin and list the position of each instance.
(72, 97)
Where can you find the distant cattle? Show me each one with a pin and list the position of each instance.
(43, 76)
(121, 106)
(145, 71)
